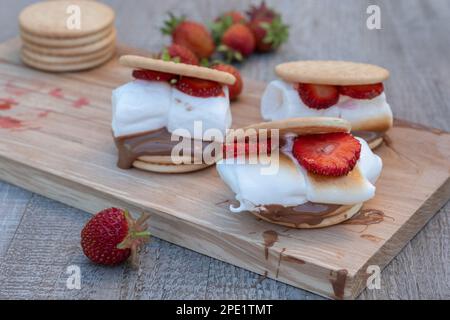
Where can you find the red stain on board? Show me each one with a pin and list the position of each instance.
(7, 104)
(44, 113)
(13, 89)
(10, 123)
(56, 93)
(80, 103)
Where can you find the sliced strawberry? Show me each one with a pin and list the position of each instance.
(328, 154)
(235, 89)
(318, 96)
(238, 147)
(199, 88)
(367, 91)
(151, 75)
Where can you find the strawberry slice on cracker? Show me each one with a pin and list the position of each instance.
(329, 154)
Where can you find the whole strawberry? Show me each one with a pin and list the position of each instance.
(235, 89)
(238, 42)
(178, 53)
(268, 28)
(191, 35)
(112, 235)
(223, 22)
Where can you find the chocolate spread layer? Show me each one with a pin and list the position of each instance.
(151, 143)
(368, 136)
(309, 213)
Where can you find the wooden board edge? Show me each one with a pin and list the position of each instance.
(166, 227)
(401, 238)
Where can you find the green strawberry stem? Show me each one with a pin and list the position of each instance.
(137, 235)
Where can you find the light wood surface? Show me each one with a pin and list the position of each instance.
(36, 267)
(65, 152)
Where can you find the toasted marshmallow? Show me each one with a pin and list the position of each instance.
(140, 106)
(213, 112)
(292, 185)
(281, 100)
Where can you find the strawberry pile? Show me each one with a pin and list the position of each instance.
(318, 96)
(232, 36)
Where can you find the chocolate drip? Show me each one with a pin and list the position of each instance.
(151, 143)
(309, 213)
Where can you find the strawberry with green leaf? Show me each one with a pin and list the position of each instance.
(192, 35)
(268, 28)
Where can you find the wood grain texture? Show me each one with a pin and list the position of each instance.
(418, 91)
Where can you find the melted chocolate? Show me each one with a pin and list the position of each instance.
(339, 283)
(368, 136)
(366, 217)
(270, 237)
(151, 143)
(309, 213)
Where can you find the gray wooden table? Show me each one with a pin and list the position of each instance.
(39, 238)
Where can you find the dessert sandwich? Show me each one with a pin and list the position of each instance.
(164, 101)
(324, 174)
(340, 89)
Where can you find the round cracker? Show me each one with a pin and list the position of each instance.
(168, 168)
(182, 69)
(303, 126)
(331, 72)
(375, 143)
(341, 214)
(65, 43)
(52, 60)
(73, 51)
(67, 67)
(51, 18)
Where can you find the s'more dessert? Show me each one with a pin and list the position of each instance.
(323, 174)
(347, 90)
(154, 112)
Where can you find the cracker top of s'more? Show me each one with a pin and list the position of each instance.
(331, 72)
(53, 18)
(305, 126)
(177, 68)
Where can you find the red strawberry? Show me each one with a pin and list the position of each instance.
(238, 147)
(269, 33)
(199, 88)
(318, 96)
(366, 91)
(268, 28)
(235, 89)
(223, 22)
(112, 235)
(328, 154)
(236, 16)
(191, 35)
(237, 42)
(178, 53)
(261, 12)
(152, 75)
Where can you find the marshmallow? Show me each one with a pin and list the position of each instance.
(140, 106)
(292, 185)
(213, 112)
(281, 100)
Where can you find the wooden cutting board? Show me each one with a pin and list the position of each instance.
(55, 139)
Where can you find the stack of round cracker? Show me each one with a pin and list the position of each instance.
(63, 36)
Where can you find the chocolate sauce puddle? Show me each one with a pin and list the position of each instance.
(339, 283)
(270, 237)
(151, 143)
(367, 217)
(308, 213)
